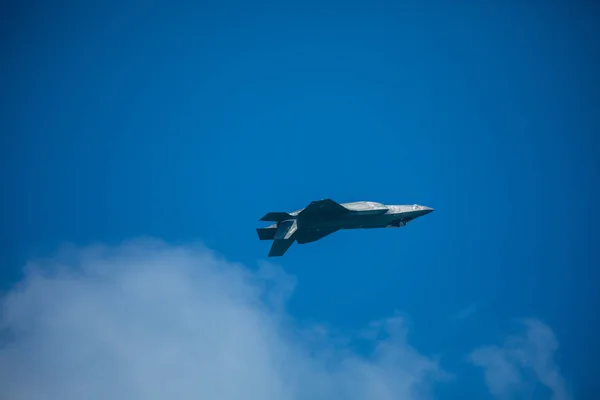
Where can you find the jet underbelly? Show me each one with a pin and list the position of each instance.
(351, 221)
(365, 222)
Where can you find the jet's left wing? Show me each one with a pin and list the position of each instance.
(312, 236)
(326, 207)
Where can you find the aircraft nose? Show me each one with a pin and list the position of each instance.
(427, 210)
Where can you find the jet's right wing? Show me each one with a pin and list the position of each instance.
(313, 236)
(326, 207)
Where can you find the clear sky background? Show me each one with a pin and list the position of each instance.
(186, 123)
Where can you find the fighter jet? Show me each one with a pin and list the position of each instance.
(324, 217)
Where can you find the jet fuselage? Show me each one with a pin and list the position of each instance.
(391, 217)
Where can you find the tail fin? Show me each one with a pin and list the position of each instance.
(279, 247)
(276, 216)
(284, 238)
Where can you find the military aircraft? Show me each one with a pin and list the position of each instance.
(324, 217)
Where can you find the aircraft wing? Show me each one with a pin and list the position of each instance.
(275, 216)
(312, 236)
(323, 207)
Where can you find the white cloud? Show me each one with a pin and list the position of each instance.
(522, 362)
(468, 312)
(150, 321)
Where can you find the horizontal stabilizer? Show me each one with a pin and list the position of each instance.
(267, 233)
(276, 216)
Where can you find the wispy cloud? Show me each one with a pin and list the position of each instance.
(508, 368)
(151, 321)
(147, 320)
(468, 311)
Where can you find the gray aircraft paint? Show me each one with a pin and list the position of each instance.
(324, 217)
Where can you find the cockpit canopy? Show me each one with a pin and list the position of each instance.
(364, 206)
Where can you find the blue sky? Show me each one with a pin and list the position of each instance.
(188, 123)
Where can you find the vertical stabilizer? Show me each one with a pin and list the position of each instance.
(284, 237)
